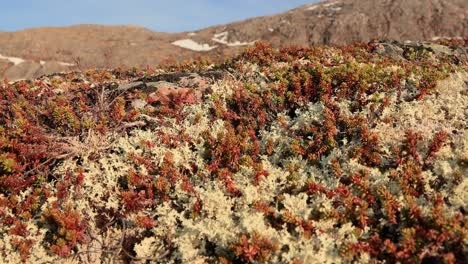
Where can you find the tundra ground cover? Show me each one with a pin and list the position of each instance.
(299, 155)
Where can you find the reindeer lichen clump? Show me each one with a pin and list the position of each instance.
(295, 155)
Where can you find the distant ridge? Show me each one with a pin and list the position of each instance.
(335, 22)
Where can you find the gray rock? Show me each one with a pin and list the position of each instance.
(439, 49)
(393, 51)
(131, 86)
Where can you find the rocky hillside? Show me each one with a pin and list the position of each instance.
(346, 21)
(352, 154)
(47, 50)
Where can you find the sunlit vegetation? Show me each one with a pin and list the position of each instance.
(298, 155)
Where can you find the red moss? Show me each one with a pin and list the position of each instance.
(66, 228)
(250, 248)
(23, 246)
(436, 144)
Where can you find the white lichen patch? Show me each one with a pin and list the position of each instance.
(445, 109)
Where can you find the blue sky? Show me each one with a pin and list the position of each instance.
(166, 16)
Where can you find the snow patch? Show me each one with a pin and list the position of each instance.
(445, 37)
(330, 4)
(223, 36)
(317, 5)
(15, 60)
(66, 64)
(335, 9)
(192, 45)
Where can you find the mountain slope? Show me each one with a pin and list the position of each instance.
(329, 22)
(345, 21)
(90, 45)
